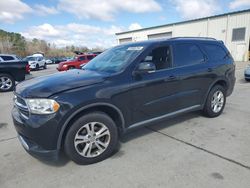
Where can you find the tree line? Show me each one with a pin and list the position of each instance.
(15, 43)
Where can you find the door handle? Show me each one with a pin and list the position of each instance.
(172, 77)
(209, 70)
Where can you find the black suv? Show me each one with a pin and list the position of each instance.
(83, 112)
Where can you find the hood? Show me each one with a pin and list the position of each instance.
(45, 86)
(66, 62)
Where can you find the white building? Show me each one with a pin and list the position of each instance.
(232, 28)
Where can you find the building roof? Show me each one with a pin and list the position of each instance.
(176, 23)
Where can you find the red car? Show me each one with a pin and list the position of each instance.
(75, 63)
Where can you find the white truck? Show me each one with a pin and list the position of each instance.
(36, 61)
(8, 58)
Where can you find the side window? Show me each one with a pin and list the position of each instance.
(214, 52)
(81, 58)
(161, 57)
(7, 58)
(89, 57)
(187, 54)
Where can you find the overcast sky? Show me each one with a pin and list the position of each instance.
(94, 22)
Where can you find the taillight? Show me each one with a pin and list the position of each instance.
(27, 68)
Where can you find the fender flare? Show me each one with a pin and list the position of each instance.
(65, 124)
(212, 85)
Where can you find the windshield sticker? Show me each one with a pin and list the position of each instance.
(135, 48)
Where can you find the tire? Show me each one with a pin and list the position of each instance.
(248, 80)
(45, 66)
(215, 106)
(70, 68)
(78, 149)
(7, 82)
(37, 67)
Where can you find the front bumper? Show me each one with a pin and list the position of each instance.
(32, 66)
(37, 136)
(36, 150)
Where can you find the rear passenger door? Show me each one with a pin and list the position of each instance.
(193, 72)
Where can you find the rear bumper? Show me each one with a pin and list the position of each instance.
(231, 86)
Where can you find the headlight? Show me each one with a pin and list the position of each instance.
(65, 66)
(42, 106)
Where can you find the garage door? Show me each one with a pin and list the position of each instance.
(160, 35)
(125, 40)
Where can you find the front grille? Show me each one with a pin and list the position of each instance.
(22, 107)
(21, 101)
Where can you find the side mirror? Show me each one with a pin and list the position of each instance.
(145, 67)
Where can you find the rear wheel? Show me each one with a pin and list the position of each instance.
(91, 138)
(215, 102)
(7, 82)
(45, 66)
(248, 80)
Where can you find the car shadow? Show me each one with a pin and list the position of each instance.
(243, 81)
(130, 136)
(61, 161)
(158, 126)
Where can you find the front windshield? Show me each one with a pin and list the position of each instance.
(114, 59)
(29, 59)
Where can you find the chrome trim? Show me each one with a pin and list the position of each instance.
(23, 142)
(191, 108)
(24, 116)
(20, 105)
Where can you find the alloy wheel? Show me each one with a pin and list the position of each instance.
(5, 83)
(217, 101)
(92, 139)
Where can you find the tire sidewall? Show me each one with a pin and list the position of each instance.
(91, 117)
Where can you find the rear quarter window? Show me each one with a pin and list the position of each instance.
(214, 52)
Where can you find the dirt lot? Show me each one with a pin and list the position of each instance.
(187, 151)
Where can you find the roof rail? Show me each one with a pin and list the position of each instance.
(209, 38)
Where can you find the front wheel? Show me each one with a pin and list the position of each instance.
(37, 67)
(215, 102)
(91, 138)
